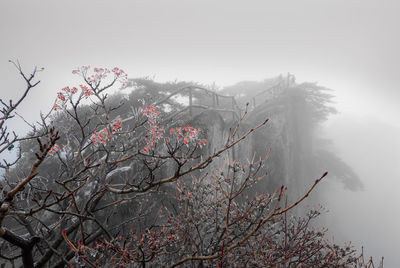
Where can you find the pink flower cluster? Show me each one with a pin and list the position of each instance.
(81, 70)
(54, 149)
(120, 76)
(69, 90)
(188, 134)
(119, 73)
(101, 73)
(104, 135)
(86, 91)
(151, 113)
(62, 96)
(101, 136)
(98, 75)
(67, 93)
(153, 135)
(57, 148)
(117, 125)
(93, 80)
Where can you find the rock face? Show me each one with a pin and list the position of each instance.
(296, 155)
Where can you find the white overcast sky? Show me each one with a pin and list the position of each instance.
(351, 46)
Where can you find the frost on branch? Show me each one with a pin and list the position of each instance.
(116, 186)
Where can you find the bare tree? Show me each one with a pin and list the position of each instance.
(100, 189)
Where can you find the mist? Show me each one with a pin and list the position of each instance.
(368, 217)
(349, 47)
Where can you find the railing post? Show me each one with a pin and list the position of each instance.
(214, 100)
(233, 108)
(190, 101)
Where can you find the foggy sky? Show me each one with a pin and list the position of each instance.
(349, 46)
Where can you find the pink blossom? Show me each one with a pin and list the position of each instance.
(54, 149)
(117, 125)
(66, 89)
(87, 91)
(101, 137)
(61, 96)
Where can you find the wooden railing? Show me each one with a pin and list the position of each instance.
(273, 91)
(216, 105)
